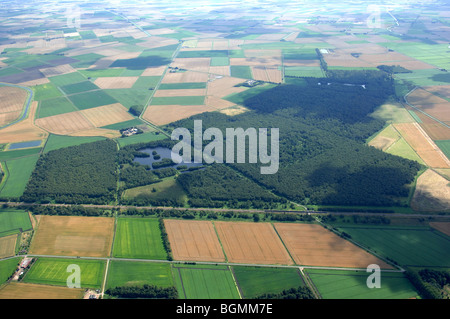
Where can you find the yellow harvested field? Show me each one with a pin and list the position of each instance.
(221, 70)
(12, 99)
(256, 61)
(204, 45)
(382, 142)
(35, 82)
(224, 86)
(107, 114)
(16, 290)
(165, 114)
(217, 103)
(24, 130)
(64, 124)
(73, 236)
(432, 193)
(423, 145)
(154, 71)
(193, 64)
(120, 82)
(259, 73)
(193, 240)
(262, 53)
(8, 246)
(443, 227)
(180, 92)
(346, 60)
(442, 90)
(315, 63)
(255, 243)
(421, 96)
(313, 245)
(97, 132)
(234, 110)
(185, 77)
(6, 118)
(57, 70)
(275, 75)
(156, 42)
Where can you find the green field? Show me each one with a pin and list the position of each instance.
(96, 73)
(181, 86)
(205, 282)
(407, 246)
(167, 189)
(401, 148)
(130, 97)
(303, 71)
(86, 35)
(138, 238)
(444, 146)
(123, 125)
(57, 106)
(178, 100)
(91, 99)
(140, 138)
(8, 155)
(426, 77)
(341, 284)
(46, 91)
(19, 172)
(126, 273)
(11, 221)
(86, 60)
(256, 281)
(55, 142)
(7, 268)
(220, 61)
(67, 79)
(53, 271)
(392, 113)
(146, 82)
(241, 71)
(79, 87)
(203, 54)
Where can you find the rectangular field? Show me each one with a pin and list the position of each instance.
(408, 247)
(34, 291)
(256, 281)
(254, 243)
(12, 221)
(73, 236)
(138, 238)
(313, 245)
(193, 240)
(126, 273)
(7, 268)
(8, 246)
(205, 282)
(422, 144)
(107, 114)
(54, 271)
(339, 284)
(19, 172)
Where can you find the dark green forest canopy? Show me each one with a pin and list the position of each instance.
(323, 156)
(78, 174)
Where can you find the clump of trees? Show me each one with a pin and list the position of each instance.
(145, 291)
(293, 293)
(430, 283)
(85, 173)
(165, 239)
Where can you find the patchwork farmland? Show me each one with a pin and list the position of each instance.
(363, 115)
